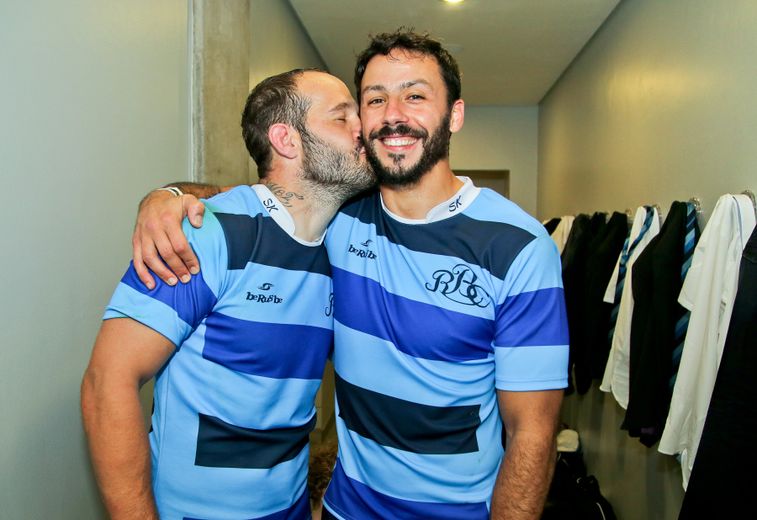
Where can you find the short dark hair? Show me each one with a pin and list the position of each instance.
(413, 42)
(274, 100)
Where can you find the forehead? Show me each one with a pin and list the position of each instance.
(400, 67)
(325, 92)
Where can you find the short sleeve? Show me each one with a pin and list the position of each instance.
(531, 337)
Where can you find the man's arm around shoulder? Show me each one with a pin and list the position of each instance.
(125, 356)
(158, 236)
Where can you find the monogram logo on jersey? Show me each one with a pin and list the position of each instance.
(455, 204)
(264, 298)
(270, 205)
(459, 285)
(363, 252)
(330, 309)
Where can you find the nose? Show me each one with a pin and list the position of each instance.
(393, 113)
(355, 128)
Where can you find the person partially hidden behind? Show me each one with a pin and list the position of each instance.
(240, 349)
(449, 313)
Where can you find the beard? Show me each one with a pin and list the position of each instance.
(336, 173)
(435, 148)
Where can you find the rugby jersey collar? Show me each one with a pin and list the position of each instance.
(457, 203)
(278, 212)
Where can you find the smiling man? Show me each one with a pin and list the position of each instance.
(449, 314)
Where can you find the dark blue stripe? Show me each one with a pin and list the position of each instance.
(353, 499)
(267, 349)
(245, 244)
(418, 329)
(300, 510)
(408, 426)
(459, 236)
(224, 445)
(535, 318)
(191, 301)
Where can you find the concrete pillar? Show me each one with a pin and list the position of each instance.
(220, 75)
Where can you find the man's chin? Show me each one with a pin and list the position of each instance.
(399, 178)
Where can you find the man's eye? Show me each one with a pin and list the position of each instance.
(415, 97)
(375, 101)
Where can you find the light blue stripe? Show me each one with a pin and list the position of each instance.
(209, 244)
(434, 478)
(305, 296)
(536, 267)
(489, 205)
(532, 368)
(128, 302)
(375, 364)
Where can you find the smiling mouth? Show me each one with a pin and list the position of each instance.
(398, 141)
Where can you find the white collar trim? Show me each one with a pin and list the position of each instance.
(449, 208)
(280, 214)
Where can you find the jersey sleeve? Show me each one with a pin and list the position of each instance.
(531, 338)
(176, 311)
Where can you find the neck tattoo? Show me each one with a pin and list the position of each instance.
(282, 194)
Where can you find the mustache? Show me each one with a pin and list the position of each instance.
(401, 129)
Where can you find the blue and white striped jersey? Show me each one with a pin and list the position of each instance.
(234, 405)
(431, 317)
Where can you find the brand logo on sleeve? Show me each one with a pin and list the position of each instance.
(264, 298)
(459, 285)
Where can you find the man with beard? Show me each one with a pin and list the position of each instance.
(448, 309)
(239, 350)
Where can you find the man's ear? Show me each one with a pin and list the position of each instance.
(285, 140)
(457, 116)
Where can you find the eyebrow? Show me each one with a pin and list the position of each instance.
(345, 105)
(403, 86)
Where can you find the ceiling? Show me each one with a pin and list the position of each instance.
(510, 52)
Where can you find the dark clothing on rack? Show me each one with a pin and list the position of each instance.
(574, 259)
(552, 224)
(656, 284)
(724, 476)
(591, 353)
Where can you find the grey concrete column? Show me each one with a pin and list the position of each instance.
(220, 76)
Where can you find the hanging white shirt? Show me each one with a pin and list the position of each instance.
(708, 291)
(616, 377)
(562, 231)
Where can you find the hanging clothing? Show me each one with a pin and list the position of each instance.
(646, 226)
(591, 351)
(562, 232)
(723, 478)
(708, 292)
(657, 281)
(551, 224)
(575, 255)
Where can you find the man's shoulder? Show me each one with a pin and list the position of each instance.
(491, 206)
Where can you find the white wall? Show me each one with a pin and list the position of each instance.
(659, 106)
(278, 41)
(93, 113)
(501, 138)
